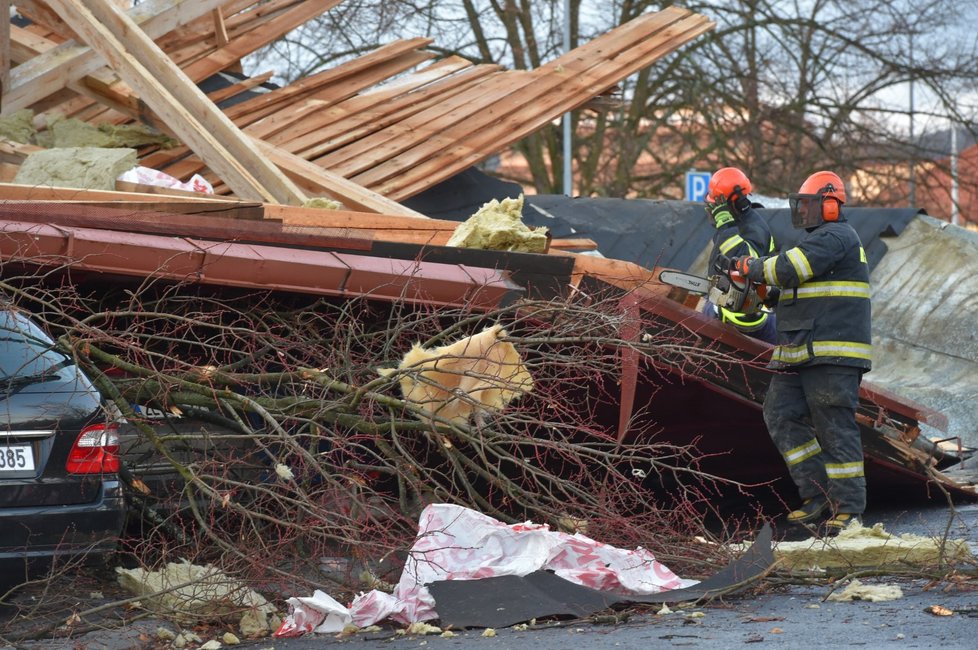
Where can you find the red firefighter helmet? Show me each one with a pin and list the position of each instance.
(728, 184)
(819, 199)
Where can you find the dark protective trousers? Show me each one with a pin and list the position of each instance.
(810, 413)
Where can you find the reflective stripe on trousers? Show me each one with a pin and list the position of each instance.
(811, 416)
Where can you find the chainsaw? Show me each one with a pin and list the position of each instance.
(732, 291)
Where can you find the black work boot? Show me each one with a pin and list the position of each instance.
(810, 510)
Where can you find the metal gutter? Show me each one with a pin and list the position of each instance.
(315, 271)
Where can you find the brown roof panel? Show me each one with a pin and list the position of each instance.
(258, 266)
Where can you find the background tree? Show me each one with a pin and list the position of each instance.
(779, 88)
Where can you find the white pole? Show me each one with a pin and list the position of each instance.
(913, 143)
(955, 217)
(568, 134)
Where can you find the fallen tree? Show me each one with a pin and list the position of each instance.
(284, 445)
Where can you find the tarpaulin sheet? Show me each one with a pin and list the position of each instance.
(456, 543)
(508, 600)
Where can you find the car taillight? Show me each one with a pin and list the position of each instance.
(96, 451)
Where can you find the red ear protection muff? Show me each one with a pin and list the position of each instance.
(830, 209)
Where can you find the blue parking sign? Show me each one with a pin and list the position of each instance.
(697, 184)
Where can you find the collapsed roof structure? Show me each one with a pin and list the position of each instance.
(346, 134)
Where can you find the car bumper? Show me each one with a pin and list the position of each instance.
(33, 537)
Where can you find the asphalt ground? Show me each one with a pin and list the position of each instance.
(788, 615)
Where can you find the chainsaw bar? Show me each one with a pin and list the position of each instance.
(693, 283)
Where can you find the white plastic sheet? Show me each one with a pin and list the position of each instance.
(456, 543)
(148, 176)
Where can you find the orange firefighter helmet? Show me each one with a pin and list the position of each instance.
(819, 199)
(728, 184)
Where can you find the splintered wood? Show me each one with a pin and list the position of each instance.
(354, 132)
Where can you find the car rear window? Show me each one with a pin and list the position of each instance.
(25, 350)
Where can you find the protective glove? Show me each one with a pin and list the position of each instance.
(742, 265)
(771, 299)
(720, 213)
(739, 202)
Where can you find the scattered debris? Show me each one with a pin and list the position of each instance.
(323, 203)
(859, 546)
(18, 126)
(146, 176)
(462, 380)
(856, 590)
(188, 593)
(422, 629)
(79, 167)
(498, 225)
(71, 133)
(505, 600)
(938, 610)
(459, 548)
(319, 613)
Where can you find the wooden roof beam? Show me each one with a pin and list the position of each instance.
(178, 102)
(49, 71)
(320, 181)
(237, 48)
(4, 48)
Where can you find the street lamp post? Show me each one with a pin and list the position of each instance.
(568, 130)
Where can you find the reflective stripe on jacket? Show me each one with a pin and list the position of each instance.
(824, 311)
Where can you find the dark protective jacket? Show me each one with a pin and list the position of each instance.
(750, 235)
(824, 312)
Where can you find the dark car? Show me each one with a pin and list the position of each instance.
(60, 494)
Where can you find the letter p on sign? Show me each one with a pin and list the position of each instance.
(697, 184)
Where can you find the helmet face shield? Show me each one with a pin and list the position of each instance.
(806, 210)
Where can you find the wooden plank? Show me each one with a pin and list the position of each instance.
(17, 192)
(537, 90)
(366, 154)
(439, 78)
(413, 172)
(279, 119)
(574, 243)
(240, 47)
(321, 181)
(259, 107)
(408, 144)
(193, 40)
(15, 152)
(226, 210)
(342, 82)
(220, 29)
(4, 48)
(369, 113)
(175, 194)
(244, 85)
(177, 101)
(253, 109)
(285, 124)
(49, 71)
(350, 219)
(40, 14)
(8, 171)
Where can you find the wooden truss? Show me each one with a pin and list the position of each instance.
(352, 132)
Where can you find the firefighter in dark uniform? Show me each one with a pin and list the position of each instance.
(740, 231)
(824, 347)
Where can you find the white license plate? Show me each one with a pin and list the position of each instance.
(16, 458)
